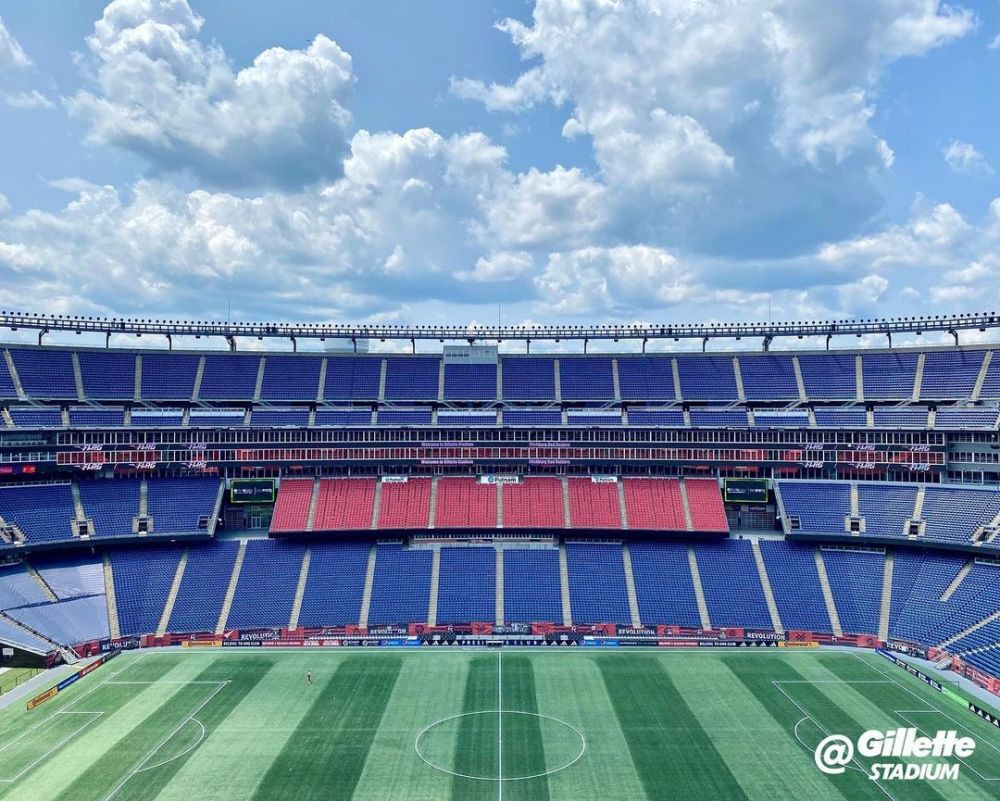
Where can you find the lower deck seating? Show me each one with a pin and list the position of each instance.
(71, 622)
(663, 584)
(335, 584)
(142, 583)
(467, 585)
(402, 585)
(856, 584)
(531, 585)
(794, 579)
(203, 587)
(733, 592)
(597, 583)
(266, 587)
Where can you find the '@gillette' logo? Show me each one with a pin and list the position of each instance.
(836, 752)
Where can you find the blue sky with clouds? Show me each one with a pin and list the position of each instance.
(571, 160)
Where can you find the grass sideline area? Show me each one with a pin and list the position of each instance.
(455, 725)
(15, 677)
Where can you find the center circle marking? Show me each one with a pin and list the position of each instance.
(557, 769)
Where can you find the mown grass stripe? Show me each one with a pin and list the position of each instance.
(115, 766)
(145, 785)
(760, 750)
(524, 747)
(669, 747)
(795, 697)
(570, 687)
(476, 744)
(429, 689)
(898, 696)
(325, 755)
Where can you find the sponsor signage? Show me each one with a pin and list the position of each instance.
(52, 692)
(491, 479)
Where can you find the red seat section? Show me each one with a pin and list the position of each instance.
(465, 503)
(705, 501)
(344, 504)
(654, 503)
(291, 508)
(593, 505)
(534, 503)
(406, 504)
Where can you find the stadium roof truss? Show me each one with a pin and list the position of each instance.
(231, 332)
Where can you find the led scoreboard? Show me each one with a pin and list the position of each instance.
(745, 490)
(252, 490)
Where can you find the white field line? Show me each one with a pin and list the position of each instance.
(816, 723)
(165, 740)
(500, 724)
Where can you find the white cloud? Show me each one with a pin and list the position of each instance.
(502, 266)
(548, 209)
(26, 100)
(963, 158)
(716, 123)
(595, 280)
(995, 44)
(11, 52)
(931, 237)
(4, 204)
(162, 93)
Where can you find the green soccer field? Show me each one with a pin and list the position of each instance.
(475, 726)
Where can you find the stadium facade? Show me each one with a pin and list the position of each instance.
(839, 495)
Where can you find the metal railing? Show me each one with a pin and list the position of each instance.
(231, 332)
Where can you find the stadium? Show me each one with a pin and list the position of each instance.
(494, 567)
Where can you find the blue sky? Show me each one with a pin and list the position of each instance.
(584, 161)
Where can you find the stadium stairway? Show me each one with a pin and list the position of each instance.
(969, 629)
(42, 584)
(622, 511)
(313, 505)
(824, 583)
(300, 587)
(886, 606)
(765, 583)
(567, 607)
(114, 626)
(231, 589)
(688, 519)
(376, 505)
(956, 582)
(699, 591)
(366, 598)
(175, 586)
(432, 518)
(498, 615)
(633, 599)
(432, 603)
